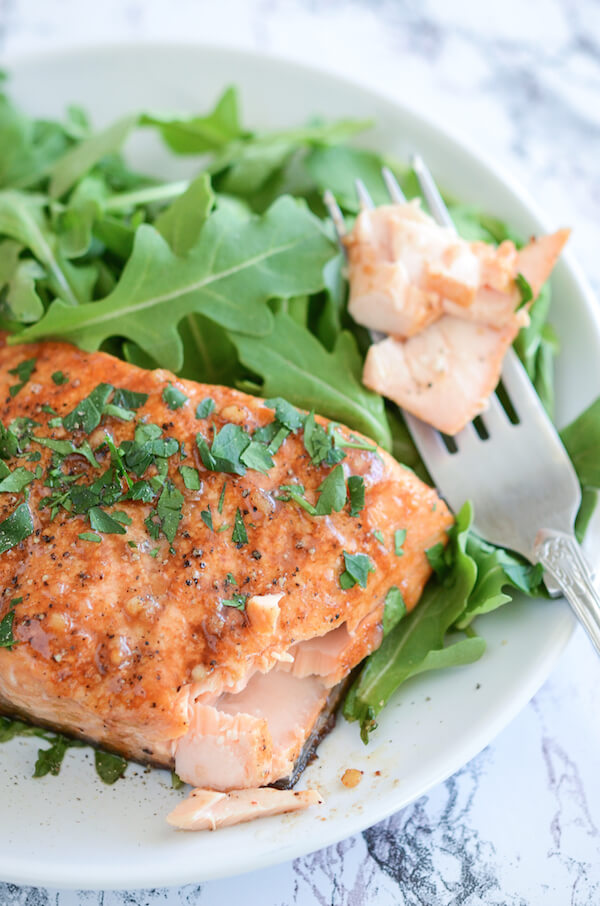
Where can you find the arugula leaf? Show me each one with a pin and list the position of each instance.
(293, 362)
(77, 161)
(15, 528)
(174, 397)
(525, 290)
(194, 135)
(181, 222)
(405, 648)
(358, 567)
(394, 609)
(582, 440)
(239, 535)
(109, 767)
(49, 761)
(228, 276)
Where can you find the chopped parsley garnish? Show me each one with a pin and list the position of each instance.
(59, 377)
(333, 493)
(206, 517)
(101, 521)
(319, 443)
(191, 478)
(356, 492)
(9, 443)
(173, 397)
(239, 535)
(525, 289)
(66, 447)
(224, 455)
(379, 535)
(154, 552)
(18, 479)
(399, 539)
(87, 414)
(295, 492)
(15, 528)
(230, 580)
(237, 601)
(256, 456)
(205, 408)
(23, 372)
(358, 567)
(394, 609)
(126, 415)
(90, 536)
(129, 399)
(142, 490)
(222, 497)
(168, 510)
(7, 639)
(48, 409)
(286, 414)
(109, 767)
(123, 518)
(148, 445)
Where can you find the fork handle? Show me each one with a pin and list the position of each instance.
(561, 556)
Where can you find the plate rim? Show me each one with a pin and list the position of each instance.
(487, 731)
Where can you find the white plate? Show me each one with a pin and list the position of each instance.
(72, 831)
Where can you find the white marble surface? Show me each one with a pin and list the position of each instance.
(521, 823)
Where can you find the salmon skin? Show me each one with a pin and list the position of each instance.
(150, 590)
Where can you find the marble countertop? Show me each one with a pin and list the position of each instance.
(520, 824)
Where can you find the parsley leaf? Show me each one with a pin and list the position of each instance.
(16, 481)
(66, 447)
(101, 521)
(173, 397)
(87, 414)
(23, 372)
(89, 536)
(59, 377)
(169, 508)
(358, 567)
(356, 491)
(399, 539)
(191, 478)
(222, 497)
(226, 449)
(205, 408)
(286, 414)
(256, 456)
(239, 535)
(295, 492)
(129, 399)
(109, 767)
(237, 601)
(206, 517)
(7, 639)
(333, 493)
(9, 443)
(15, 528)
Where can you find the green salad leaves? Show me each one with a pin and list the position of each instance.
(233, 277)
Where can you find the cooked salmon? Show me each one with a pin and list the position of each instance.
(209, 810)
(451, 309)
(167, 601)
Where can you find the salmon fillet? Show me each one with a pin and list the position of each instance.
(137, 641)
(451, 309)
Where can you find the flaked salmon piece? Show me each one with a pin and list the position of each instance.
(208, 810)
(537, 259)
(121, 643)
(445, 374)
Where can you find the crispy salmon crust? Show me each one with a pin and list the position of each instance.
(110, 636)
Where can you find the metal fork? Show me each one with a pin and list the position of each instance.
(523, 486)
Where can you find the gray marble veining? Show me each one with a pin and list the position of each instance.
(520, 824)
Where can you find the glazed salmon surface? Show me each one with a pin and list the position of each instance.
(127, 640)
